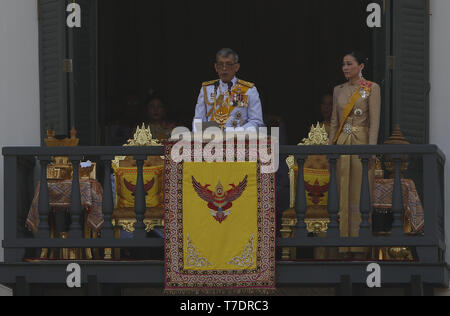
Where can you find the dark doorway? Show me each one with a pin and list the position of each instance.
(291, 50)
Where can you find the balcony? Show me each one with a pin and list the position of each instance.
(428, 269)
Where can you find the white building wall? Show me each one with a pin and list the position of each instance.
(19, 80)
(440, 91)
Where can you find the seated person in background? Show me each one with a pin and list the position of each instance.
(156, 113)
(326, 108)
(123, 122)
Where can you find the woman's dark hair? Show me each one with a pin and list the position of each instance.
(154, 96)
(360, 57)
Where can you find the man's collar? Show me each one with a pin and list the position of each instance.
(234, 81)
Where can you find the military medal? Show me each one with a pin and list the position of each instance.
(364, 94)
(239, 97)
(358, 112)
(365, 88)
(235, 100)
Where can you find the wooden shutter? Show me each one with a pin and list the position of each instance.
(382, 66)
(411, 71)
(52, 53)
(83, 80)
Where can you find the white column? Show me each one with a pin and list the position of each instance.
(19, 80)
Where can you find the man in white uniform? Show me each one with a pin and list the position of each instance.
(229, 101)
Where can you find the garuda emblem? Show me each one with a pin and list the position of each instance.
(316, 191)
(220, 202)
(132, 188)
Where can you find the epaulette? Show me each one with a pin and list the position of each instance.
(209, 83)
(246, 83)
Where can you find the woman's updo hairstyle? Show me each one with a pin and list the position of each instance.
(360, 57)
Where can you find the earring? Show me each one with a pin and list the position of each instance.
(360, 74)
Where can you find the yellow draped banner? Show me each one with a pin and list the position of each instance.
(220, 227)
(211, 244)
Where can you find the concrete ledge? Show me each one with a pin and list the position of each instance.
(150, 273)
(5, 291)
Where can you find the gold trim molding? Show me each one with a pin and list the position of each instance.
(151, 224)
(317, 225)
(126, 224)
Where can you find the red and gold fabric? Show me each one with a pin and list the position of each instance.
(316, 186)
(126, 186)
(60, 192)
(413, 209)
(220, 227)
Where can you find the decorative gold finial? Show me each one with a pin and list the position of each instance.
(317, 136)
(142, 137)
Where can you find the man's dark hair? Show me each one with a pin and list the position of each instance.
(225, 52)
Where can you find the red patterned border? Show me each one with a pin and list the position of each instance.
(179, 279)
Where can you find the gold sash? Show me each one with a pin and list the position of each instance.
(348, 109)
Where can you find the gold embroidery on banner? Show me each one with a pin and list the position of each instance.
(193, 259)
(245, 259)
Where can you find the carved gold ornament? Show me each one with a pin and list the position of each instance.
(151, 224)
(316, 225)
(142, 137)
(126, 224)
(317, 136)
(400, 253)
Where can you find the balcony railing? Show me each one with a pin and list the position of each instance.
(429, 268)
